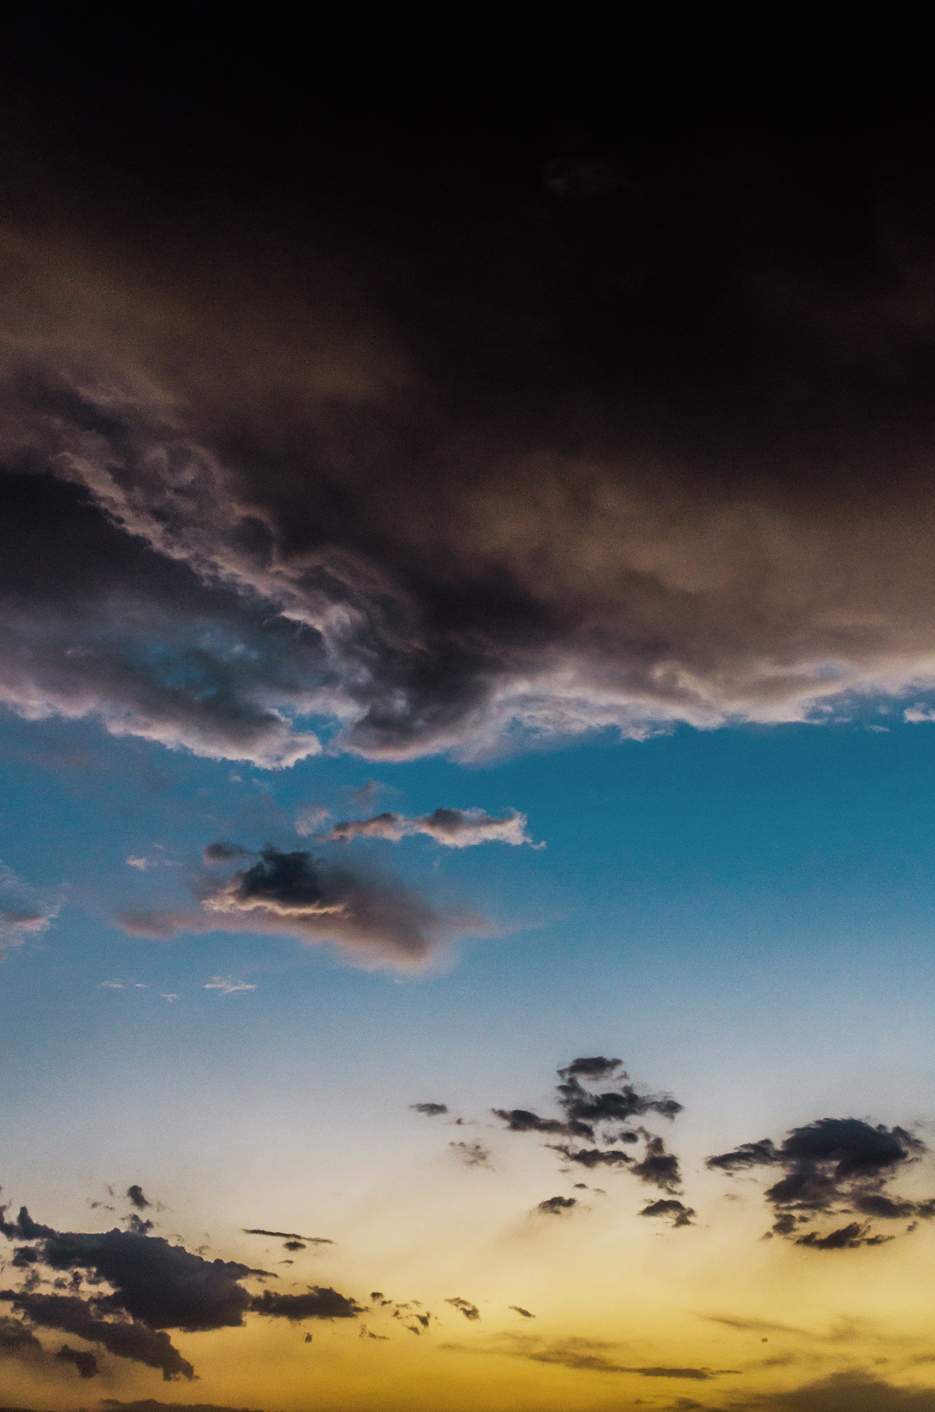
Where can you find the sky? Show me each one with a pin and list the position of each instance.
(467, 728)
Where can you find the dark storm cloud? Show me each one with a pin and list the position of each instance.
(455, 828)
(431, 1110)
(451, 436)
(85, 1362)
(833, 1166)
(375, 918)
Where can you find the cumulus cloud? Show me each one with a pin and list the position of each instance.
(377, 920)
(670, 1210)
(831, 1167)
(620, 439)
(455, 828)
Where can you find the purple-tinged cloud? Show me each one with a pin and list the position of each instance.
(454, 828)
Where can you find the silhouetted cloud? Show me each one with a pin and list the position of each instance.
(670, 1210)
(431, 1110)
(469, 1310)
(377, 920)
(590, 1116)
(84, 1361)
(136, 1196)
(597, 1356)
(317, 1303)
(830, 1167)
(518, 1309)
(153, 1286)
(849, 1391)
(557, 1205)
(455, 828)
(288, 1235)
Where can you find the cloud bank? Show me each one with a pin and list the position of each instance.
(549, 444)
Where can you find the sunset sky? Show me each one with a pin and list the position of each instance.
(467, 729)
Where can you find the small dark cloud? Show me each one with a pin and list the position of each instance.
(521, 1120)
(84, 1361)
(831, 1167)
(472, 1154)
(670, 1210)
(222, 852)
(431, 1110)
(658, 1167)
(591, 1069)
(557, 1205)
(317, 1303)
(295, 1245)
(454, 828)
(518, 1309)
(469, 1310)
(287, 1235)
(136, 1197)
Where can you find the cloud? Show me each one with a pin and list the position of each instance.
(377, 920)
(670, 1210)
(557, 1205)
(141, 1285)
(288, 1235)
(472, 1154)
(833, 1166)
(594, 1356)
(431, 1110)
(23, 912)
(850, 1391)
(226, 986)
(590, 1116)
(518, 1309)
(137, 1198)
(455, 828)
(469, 1310)
(658, 456)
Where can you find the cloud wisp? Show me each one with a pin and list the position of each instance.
(830, 1168)
(24, 912)
(453, 828)
(375, 919)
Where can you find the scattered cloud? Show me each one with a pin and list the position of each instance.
(472, 1154)
(289, 1235)
(557, 1205)
(606, 1117)
(431, 1110)
(226, 985)
(670, 1210)
(831, 1167)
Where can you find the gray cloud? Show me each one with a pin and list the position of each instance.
(670, 1210)
(596, 1356)
(850, 1391)
(430, 1110)
(834, 1166)
(455, 828)
(465, 1307)
(376, 920)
